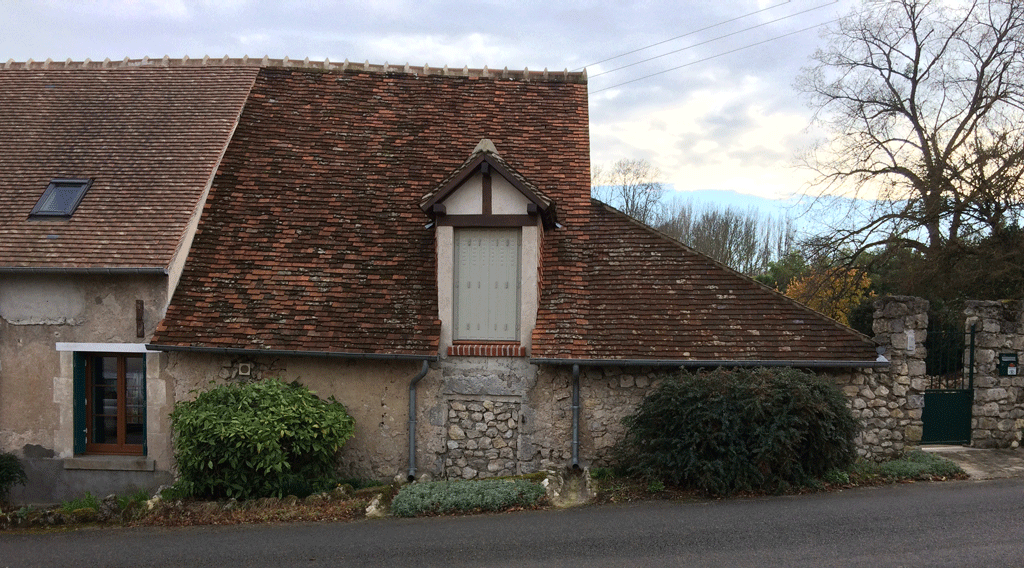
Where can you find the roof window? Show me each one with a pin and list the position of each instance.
(61, 198)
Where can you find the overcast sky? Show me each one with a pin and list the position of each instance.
(710, 120)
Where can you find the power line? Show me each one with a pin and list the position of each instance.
(704, 29)
(712, 40)
(717, 55)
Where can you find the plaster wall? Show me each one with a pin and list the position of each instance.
(375, 393)
(468, 199)
(36, 380)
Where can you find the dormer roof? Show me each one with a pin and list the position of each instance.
(485, 159)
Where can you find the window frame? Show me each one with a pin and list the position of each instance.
(82, 185)
(83, 403)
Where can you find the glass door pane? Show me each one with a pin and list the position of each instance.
(135, 400)
(104, 401)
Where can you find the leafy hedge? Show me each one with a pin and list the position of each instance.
(739, 429)
(257, 439)
(443, 497)
(11, 474)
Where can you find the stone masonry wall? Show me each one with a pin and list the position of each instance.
(483, 439)
(998, 413)
(889, 401)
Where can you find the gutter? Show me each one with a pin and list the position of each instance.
(693, 363)
(291, 353)
(152, 270)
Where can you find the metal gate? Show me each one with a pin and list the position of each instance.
(950, 396)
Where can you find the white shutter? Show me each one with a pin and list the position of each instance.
(487, 284)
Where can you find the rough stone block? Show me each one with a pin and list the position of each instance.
(916, 367)
(913, 433)
(996, 394)
(456, 433)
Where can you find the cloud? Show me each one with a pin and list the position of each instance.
(725, 120)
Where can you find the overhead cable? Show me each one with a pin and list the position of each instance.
(717, 55)
(710, 40)
(687, 34)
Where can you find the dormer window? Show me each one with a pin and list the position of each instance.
(60, 199)
(489, 223)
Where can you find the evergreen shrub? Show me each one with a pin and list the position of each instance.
(11, 473)
(739, 429)
(260, 439)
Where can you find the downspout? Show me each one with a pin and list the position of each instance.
(412, 419)
(575, 416)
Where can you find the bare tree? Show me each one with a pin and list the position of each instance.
(746, 241)
(631, 185)
(926, 105)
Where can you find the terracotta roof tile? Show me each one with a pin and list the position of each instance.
(616, 289)
(149, 137)
(312, 238)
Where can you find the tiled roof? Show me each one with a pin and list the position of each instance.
(312, 238)
(149, 137)
(616, 289)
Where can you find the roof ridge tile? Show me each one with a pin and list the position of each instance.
(565, 76)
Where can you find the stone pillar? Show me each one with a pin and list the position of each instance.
(889, 401)
(998, 413)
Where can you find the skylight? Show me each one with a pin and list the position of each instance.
(61, 198)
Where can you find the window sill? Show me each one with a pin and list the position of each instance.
(110, 463)
(461, 349)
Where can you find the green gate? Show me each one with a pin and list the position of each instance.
(950, 396)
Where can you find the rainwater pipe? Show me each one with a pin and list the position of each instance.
(575, 416)
(412, 419)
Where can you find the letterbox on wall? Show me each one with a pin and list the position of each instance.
(1007, 364)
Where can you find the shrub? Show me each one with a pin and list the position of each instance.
(11, 474)
(257, 439)
(443, 497)
(739, 429)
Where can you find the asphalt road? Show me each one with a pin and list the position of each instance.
(960, 524)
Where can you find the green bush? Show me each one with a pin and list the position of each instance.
(443, 497)
(739, 429)
(11, 474)
(259, 439)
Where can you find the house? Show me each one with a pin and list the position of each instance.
(419, 242)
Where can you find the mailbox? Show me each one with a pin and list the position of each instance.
(1007, 364)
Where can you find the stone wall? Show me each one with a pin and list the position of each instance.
(889, 401)
(998, 413)
(482, 439)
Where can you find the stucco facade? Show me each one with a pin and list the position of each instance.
(44, 320)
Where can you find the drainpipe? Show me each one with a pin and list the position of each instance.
(412, 419)
(575, 416)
